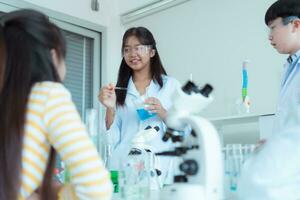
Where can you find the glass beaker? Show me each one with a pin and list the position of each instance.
(141, 108)
(135, 176)
(92, 125)
(233, 163)
(154, 173)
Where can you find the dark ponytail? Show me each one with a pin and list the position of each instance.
(26, 37)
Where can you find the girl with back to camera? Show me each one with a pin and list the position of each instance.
(141, 76)
(38, 116)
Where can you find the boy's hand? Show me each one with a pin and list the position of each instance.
(260, 144)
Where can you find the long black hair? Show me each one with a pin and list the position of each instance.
(282, 8)
(27, 38)
(145, 37)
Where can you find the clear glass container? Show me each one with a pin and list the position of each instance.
(135, 176)
(92, 125)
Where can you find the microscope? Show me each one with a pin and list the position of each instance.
(199, 175)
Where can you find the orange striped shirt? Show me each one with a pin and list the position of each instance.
(52, 120)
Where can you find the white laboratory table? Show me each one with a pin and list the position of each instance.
(154, 195)
(118, 197)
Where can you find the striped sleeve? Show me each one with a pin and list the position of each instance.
(35, 146)
(67, 134)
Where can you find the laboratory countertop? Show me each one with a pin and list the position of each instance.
(154, 195)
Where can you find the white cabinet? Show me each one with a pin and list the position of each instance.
(243, 129)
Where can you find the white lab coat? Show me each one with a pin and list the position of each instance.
(273, 172)
(126, 123)
(288, 109)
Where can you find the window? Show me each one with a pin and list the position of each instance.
(83, 61)
(83, 65)
(79, 62)
(83, 54)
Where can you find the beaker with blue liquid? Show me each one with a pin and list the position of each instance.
(141, 108)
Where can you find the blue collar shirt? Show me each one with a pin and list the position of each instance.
(288, 109)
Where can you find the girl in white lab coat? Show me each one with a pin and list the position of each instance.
(141, 76)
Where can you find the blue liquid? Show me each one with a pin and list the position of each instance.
(233, 188)
(144, 114)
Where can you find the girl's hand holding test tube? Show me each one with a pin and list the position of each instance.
(107, 96)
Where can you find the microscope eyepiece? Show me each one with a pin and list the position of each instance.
(206, 90)
(190, 88)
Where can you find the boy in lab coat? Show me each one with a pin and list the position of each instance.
(273, 172)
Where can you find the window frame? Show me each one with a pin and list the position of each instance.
(81, 27)
(78, 26)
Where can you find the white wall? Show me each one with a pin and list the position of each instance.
(210, 39)
(78, 8)
(107, 16)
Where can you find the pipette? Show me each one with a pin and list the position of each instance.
(120, 88)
